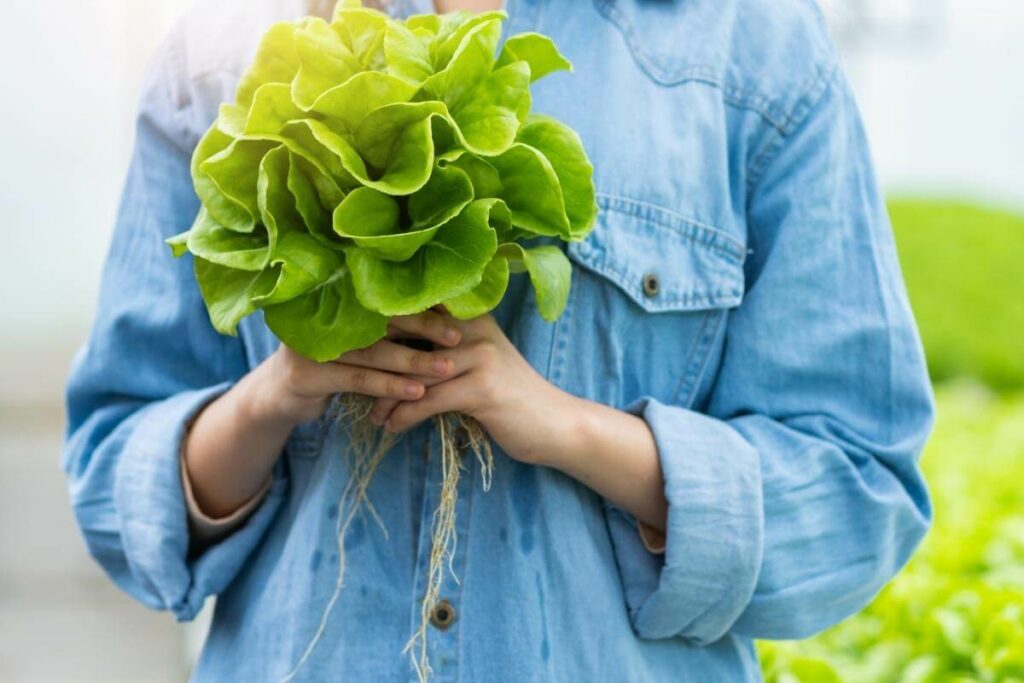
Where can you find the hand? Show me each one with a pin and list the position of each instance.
(298, 389)
(527, 416)
(535, 422)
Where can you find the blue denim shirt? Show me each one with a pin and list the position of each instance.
(776, 362)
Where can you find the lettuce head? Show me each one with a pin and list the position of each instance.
(371, 167)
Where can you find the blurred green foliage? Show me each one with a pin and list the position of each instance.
(956, 613)
(964, 267)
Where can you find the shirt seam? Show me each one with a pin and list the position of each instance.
(749, 99)
(715, 239)
(805, 106)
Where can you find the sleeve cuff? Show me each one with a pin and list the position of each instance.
(713, 541)
(150, 501)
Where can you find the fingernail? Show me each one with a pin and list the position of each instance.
(451, 335)
(412, 390)
(441, 366)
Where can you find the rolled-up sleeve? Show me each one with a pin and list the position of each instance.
(795, 494)
(152, 361)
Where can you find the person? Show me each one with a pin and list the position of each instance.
(716, 443)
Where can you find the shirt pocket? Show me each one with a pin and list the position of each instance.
(649, 298)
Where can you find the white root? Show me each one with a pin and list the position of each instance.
(443, 537)
(367, 447)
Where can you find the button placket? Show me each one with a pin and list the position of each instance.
(442, 640)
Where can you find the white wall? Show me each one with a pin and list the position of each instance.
(944, 115)
(72, 69)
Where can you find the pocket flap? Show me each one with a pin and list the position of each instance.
(664, 262)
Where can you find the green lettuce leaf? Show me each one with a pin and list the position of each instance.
(233, 173)
(397, 142)
(371, 167)
(485, 296)
(449, 265)
(530, 187)
(300, 264)
(324, 62)
(277, 61)
(452, 29)
(535, 49)
(350, 102)
(329, 151)
(315, 193)
(445, 195)
(228, 293)
(407, 52)
(210, 240)
(370, 219)
(326, 322)
(271, 110)
(563, 149)
(488, 120)
(550, 273)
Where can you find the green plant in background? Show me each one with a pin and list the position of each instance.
(956, 613)
(964, 267)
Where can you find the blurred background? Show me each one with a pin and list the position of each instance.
(940, 88)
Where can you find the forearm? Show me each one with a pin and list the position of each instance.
(232, 447)
(234, 443)
(611, 452)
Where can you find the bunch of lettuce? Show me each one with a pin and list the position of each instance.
(372, 167)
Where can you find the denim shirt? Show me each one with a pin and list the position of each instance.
(740, 293)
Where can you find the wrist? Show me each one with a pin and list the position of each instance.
(571, 424)
(261, 403)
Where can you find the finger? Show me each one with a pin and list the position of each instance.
(381, 410)
(480, 327)
(392, 357)
(447, 396)
(382, 407)
(429, 325)
(337, 377)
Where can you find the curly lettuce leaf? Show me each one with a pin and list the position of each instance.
(371, 167)
(228, 293)
(550, 274)
(350, 102)
(327, 321)
(486, 295)
(300, 264)
(277, 61)
(449, 265)
(208, 239)
(563, 149)
(324, 62)
(537, 50)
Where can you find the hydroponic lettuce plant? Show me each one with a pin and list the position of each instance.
(370, 168)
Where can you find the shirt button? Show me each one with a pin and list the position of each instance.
(443, 615)
(651, 285)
